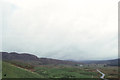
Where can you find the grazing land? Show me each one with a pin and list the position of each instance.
(48, 71)
(65, 72)
(13, 71)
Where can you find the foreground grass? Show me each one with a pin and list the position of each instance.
(11, 71)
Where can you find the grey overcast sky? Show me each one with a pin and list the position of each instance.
(61, 29)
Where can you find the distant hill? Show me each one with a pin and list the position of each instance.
(114, 62)
(29, 58)
(16, 56)
(32, 59)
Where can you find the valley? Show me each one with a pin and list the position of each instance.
(29, 66)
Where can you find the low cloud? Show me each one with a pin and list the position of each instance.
(61, 29)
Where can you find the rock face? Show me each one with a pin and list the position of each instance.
(25, 57)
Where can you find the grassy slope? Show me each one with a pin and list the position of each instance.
(12, 71)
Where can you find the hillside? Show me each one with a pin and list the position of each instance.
(11, 71)
(29, 58)
(34, 60)
(25, 65)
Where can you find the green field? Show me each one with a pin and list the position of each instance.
(65, 72)
(23, 70)
(11, 71)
